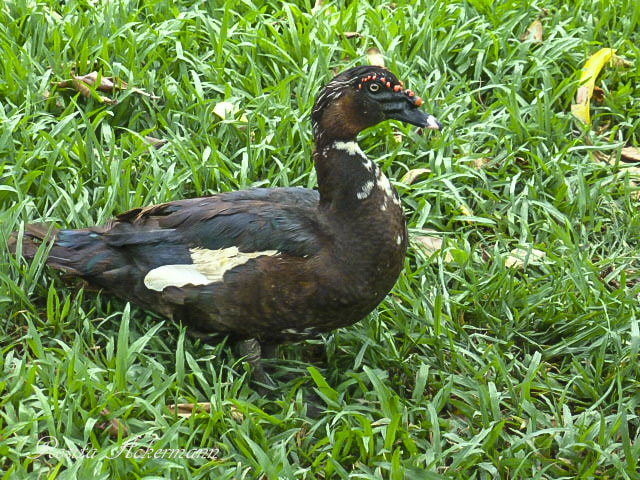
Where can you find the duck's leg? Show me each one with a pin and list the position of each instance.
(252, 351)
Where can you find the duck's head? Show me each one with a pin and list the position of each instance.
(361, 97)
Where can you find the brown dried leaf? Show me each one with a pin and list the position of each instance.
(114, 426)
(630, 154)
(78, 85)
(627, 154)
(374, 55)
(142, 92)
(113, 84)
(155, 142)
(237, 415)
(431, 244)
(597, 95)
(81, 87)
(107, 84)
(185, 410)
(412, 175)
(302, 433)
(352, 35)
(620, 62)
(317, 7)
(480, 162)
(519, 256)
(83, 83)
(534, 32)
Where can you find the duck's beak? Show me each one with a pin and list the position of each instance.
(410, 113)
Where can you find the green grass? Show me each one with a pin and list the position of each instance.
(469, 370)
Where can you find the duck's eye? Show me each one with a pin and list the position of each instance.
(374, 87)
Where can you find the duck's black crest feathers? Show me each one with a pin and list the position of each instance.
(345, 81)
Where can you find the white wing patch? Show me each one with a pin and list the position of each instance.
(174, 276)
(209, 266)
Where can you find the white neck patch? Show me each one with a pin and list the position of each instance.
(382, 182)
(209, 266)
(352, 148)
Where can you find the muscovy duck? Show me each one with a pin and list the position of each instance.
(264, 265)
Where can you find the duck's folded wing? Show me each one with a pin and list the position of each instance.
(280, 219)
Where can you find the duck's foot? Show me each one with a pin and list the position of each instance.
(253, 351)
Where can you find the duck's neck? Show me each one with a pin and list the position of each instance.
(350, 182)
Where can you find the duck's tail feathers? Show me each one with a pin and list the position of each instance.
(66, 248)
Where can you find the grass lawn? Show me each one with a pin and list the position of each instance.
(475, 367)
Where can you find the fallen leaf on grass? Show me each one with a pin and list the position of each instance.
(620, 62)
(589, 91)
(101, 83)
(591, 69)
(185, 410)
(113, 426)
(627, 154)
(155, 142)
(227, 110)
(466, 211)
(598, 95)
(431, 244)
(302, 433)
(412, 175)
(630, 154)
(107, 84)
(79, 85)
(519, 256)
(478, 162)
(534, 32)
(317, 7)
(374, 55)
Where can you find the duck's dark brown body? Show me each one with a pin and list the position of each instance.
(277, 264)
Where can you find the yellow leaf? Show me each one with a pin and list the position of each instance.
(375, 57)
(412, 175)
(466, 211)
(591, 69)
(227, 109)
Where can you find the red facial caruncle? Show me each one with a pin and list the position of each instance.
(396, 88)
